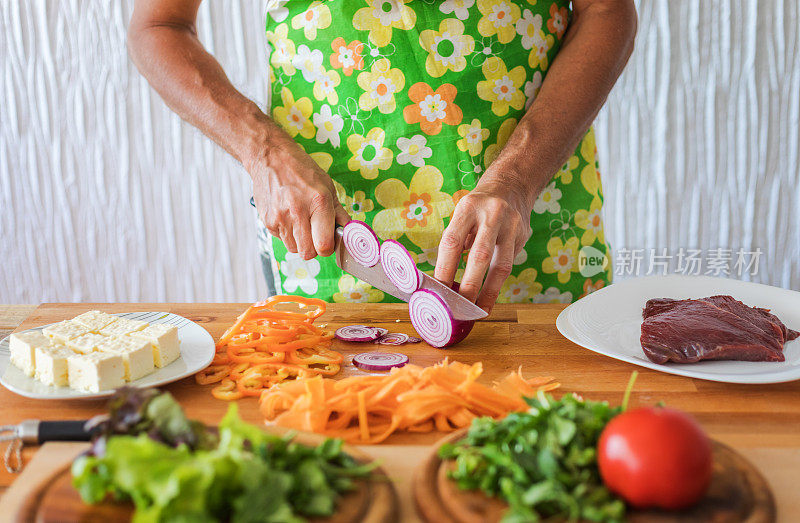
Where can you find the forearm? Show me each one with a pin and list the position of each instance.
(596, 48)
(195, 86)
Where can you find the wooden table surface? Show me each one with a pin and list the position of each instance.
(761, 420)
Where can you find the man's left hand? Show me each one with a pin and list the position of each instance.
(493, 223)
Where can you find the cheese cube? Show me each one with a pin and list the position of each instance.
(64, 331)
(95, 320)
(96, 371)
(86, 343)
(164, 339)
(22, 346)
(51, 364)
(137, 355)
(123, 326)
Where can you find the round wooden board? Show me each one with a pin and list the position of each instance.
(738, 493)
(55, 500)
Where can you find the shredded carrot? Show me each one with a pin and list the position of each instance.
(268, 345)
(367, 409)
(363, 423)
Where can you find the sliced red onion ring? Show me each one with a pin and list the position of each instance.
(357, 333)
(399, 266)
(393, 338)
(379, 360)
(434, 322)
(414, 339)
(381, 331)
(362, 243)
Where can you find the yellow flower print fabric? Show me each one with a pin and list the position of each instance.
(406, 103)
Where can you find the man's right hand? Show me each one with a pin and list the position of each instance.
(295, 198)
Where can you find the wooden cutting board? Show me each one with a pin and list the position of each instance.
(738, 494)
(54, 500)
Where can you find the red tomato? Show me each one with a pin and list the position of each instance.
(655, 457)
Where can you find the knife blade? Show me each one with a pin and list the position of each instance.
(460, 307)
(374, 275)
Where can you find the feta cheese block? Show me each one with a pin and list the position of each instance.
(137, 355)
(96, 371)
(86, 343)
(164, 340)
(95, 320)
(51, 364)
(22, 346)
(64, 331)
(122, 327)
(95, 351)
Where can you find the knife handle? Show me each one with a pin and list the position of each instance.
(37, 432)
(72, 430)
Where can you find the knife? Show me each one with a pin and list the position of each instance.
(460, 307)
(36, 432)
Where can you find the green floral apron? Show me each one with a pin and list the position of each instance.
(405, 104)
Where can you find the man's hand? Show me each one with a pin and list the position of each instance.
(295, 198)
(492, 222)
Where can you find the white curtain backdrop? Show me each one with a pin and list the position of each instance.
(105, 195)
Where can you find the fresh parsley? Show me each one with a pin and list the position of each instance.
(543, 462)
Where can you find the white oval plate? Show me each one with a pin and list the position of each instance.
(609, 322)
(197, 351)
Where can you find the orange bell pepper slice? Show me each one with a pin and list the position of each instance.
(237, 370)
(212, 374)
(313, 356)
(226, 390)
(270, 304)
(221, 358)
(302, 343)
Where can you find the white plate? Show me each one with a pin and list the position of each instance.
(197, 351)
(609, 322)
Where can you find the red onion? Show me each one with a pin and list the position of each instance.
(379, 360)
(362, 243)
(381, 331)
(399, 266)
(434, 322)
(357, 333)
(393, 338)
(414, 339)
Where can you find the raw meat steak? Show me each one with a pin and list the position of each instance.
(754, 315)
(713, 328)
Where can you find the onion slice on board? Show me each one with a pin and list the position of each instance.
(379, 360)
(399, 266)
(357, 333)
(362, 243)
(393, 338)
(434, 322)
